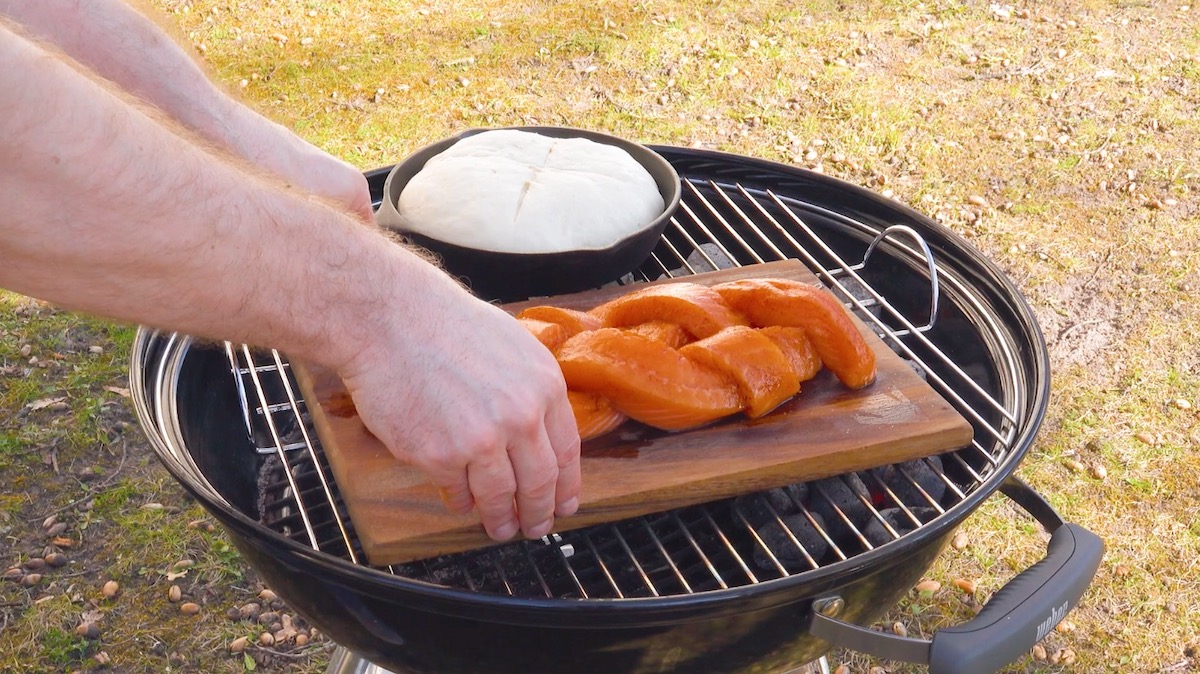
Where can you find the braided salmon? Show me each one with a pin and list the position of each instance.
(682, 355)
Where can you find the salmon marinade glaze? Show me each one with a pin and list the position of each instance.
(681, 355)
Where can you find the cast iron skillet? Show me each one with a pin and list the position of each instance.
(513, 276)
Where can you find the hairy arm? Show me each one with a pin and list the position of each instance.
(124, 46)
(113, 211)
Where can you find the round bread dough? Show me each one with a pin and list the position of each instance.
(522, 192)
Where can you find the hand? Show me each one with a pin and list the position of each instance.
(313, 170)
(301, 164)
(471, 399)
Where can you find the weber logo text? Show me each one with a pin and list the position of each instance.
(1056, 615)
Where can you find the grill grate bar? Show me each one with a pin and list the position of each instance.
(699, 551)
(961, 463)
(704, 255)
(745, 218)
(566, 562)
(680, 256)
(276, 407)
(603, 566)
(637, 564)
(703, 227)
(273, 367)
(503, 576)
(466, 573)
(270, 419)
(834, 547)
(843, 518)
(662, 550)
(723, 222)
(282, 449)
(729, 547)
(541, 579)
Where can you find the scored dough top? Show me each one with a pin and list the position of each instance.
(522, 192)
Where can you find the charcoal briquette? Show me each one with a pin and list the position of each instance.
(753, 507)
(923, 472)
(784, 548)
(757, 508)
(898, 520)
(844, 493)
(798, 491)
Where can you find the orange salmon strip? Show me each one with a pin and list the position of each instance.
(594, 416)
(646, 379)
(661, 331)
(763, 374)
(696, 308)
(791, 303)
(551, 335)
(795, 345)
(572, 320)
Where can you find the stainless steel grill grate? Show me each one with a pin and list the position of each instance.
(713, 546)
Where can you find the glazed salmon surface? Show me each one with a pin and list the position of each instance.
(646, 379)
(797, 348)
(594, 415)
(698, 309)
(572, 320)
(790, 303)
(762, 372)
(551, 335)
(661, 331)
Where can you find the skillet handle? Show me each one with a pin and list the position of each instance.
(1018, 616)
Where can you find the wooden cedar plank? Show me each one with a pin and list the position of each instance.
(826, 430)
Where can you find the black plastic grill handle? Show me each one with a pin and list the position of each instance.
(1018, 616)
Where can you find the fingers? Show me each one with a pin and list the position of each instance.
(457, 496)
(536, 470)
(494, 484)
(535, 477)
(564, 440)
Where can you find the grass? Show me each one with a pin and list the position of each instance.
(1074, 121)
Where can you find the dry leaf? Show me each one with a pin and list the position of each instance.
(44, 403)
(123, 392)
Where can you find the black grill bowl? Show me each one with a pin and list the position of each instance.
(187, 401)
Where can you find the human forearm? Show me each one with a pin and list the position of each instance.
(124, 46)
(83, 167)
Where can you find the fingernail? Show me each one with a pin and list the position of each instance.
(541, 529)
(568, 508)
(506, 531)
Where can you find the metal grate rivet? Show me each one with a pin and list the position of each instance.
(829, 606)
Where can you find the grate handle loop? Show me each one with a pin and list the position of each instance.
(934, 292)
